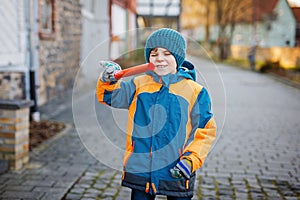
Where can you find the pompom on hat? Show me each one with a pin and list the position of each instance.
(169, 39)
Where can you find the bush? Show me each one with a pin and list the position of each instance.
(269, 66)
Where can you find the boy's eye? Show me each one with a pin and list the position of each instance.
(165, 53)
(153, 54)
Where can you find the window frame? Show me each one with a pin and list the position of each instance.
(43, 33)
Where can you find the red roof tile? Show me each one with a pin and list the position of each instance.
(264, 7)
(257, 10)
(296, 11)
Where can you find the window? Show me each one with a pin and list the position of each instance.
(47, 16)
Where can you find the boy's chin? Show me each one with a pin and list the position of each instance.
(162, 73)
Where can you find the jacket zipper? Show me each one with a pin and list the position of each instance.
(151, 153)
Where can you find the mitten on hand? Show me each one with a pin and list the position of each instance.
(110, 69)
(182, 168)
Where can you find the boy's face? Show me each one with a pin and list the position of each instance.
(164, 61)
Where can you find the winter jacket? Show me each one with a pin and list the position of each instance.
(169, 119)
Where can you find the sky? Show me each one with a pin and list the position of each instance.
(295, 1)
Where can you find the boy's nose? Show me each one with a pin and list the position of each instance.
(159, 57)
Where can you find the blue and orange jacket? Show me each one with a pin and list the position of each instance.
(169, 118)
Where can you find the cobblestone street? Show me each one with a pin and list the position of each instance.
(257, 155)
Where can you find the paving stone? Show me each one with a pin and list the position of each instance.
(124, 193)
(19, 188)
(100, 186)
(14, 182)
(89, 196)
(63, 183)
(21, 195)
(91, 193)
(108, 198)
(77, 190)
(43, 183)
(212, 197)
(49, 190)
(225, 193)
(291, 198)
(71, 196)
(256, 195)
(272, 193)
(241, 189)
(110, 192)
(52, 196)
(205, 192)
(287, 193)
(241, 195)
(103, 181)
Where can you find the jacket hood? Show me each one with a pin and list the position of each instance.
(186, 70)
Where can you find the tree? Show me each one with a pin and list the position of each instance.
(196, 13)
(228, 13)
(192, 13)
(222, 13)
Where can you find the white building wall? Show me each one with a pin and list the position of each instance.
(123, 25)
(243, 35)
(95, 40)
(269, 33)
(95, 27)
(13, 35)
(119, 19)
(284, 28)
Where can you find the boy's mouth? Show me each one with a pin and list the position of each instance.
(161, 66)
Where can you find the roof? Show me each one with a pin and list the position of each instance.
(257, 10)
(296, 12)
(264, 7)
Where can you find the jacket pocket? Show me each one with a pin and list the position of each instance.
(179, 185)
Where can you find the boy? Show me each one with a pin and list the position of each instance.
(170, 124)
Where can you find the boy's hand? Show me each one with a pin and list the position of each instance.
(110, 69)
(182, 168)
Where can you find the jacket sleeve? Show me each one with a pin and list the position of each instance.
(116, 94)
(203, 131)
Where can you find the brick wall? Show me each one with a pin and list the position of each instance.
(14, 132)
(59, 57)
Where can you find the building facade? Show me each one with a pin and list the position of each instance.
(264, 23)
(41, 51)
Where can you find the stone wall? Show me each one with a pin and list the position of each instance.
(12, 85)
(59, 57)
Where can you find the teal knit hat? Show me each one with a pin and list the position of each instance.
(168, 39)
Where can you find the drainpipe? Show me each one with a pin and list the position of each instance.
(110, 3)
(33, 63)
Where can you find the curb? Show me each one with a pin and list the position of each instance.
(284, 80)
